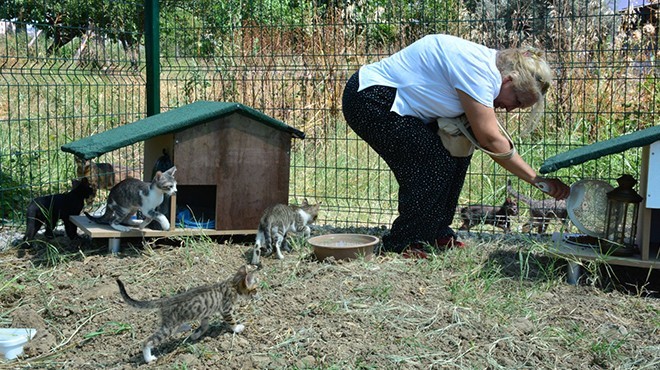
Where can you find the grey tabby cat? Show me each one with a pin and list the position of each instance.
(275, 224)
(541, 212)
(195, 304)
(477, 214)
(132, 195)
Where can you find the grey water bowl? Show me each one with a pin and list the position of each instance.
(343, 246)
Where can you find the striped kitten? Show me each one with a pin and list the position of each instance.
(132, 195)
(276, 222)
(541, 212)
(477, 214)
(101, 175)
(195, 304)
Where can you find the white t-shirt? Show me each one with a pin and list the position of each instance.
(427, 73)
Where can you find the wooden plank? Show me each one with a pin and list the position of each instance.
(95, 230)
(651, 173)
(173, 211)
(645, 214)
(574, 252)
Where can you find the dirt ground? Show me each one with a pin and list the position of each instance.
(493, 306)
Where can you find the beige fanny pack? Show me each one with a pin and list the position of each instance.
(458, 140)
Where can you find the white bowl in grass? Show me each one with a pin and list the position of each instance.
(12, 341)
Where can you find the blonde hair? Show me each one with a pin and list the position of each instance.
(530, 73)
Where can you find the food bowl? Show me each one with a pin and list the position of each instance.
(343, 246)
(13, 339)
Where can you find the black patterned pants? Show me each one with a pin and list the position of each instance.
(430, 179)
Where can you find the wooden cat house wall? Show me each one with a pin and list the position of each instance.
(232, 161)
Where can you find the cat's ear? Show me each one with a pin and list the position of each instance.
(251, 280)
(249, 277)
(83, 163)
(242, 270)
(172, 170)
(305, 202)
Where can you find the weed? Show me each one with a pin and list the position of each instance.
(109, 328)
(199, 350)
(382, 292)
(605, 349)
(180, 366)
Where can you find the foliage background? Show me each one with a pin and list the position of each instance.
(85, 73)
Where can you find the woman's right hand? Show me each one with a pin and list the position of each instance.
(553, 187)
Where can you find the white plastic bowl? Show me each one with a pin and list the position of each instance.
(12, 341)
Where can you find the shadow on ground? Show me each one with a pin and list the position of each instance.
(537, 267)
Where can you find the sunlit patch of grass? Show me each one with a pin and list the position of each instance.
(605, 349)
(301, 249)
(179, 366)
(52, 253)
(11, 292)
(199, 349)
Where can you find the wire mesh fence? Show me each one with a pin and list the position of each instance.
(73, 68)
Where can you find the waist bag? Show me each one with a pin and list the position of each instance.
(457, 138)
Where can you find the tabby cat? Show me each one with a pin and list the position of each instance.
(482, 214)
(47, 210)
(101, 175)
(195, 304)
(276, 222)
(133, 195)
(541, 212)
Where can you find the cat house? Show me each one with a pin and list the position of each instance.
(648, 220)
(232, 162)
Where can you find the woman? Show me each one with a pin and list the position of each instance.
(393, 105)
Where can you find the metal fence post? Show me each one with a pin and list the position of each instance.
(152, 51)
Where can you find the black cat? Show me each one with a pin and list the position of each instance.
(48, 209)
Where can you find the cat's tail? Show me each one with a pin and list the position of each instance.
(268, 237)
(263, 239)
(133, 302)
(511, 190)
(104, 219)
(259, 247)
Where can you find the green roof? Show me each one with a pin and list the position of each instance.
(602, 148)
(174, 120)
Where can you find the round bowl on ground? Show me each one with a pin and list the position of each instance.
(343, 246)
(13, 339)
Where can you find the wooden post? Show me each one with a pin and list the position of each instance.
(172, 211)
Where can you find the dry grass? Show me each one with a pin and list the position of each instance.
(501, 303)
